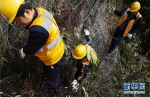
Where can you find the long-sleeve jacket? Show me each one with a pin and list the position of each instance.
(130, 16)
(44, 39)
(36, 39)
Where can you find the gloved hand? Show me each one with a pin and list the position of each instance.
(129, 36)
(113, 8)
(75, 85)
(74, 82)
(22, 54)
(87, 32)
(75, 88)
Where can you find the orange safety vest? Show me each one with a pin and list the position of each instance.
(130, 24)
(53, 50)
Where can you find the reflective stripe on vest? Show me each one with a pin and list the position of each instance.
(126, 14)
(123, 18)
(128, 28)
(130, 23)
(50, 46)
(46, 24)
(52, 51)
(47, 16)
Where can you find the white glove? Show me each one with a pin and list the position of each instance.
(87, 32)
(75, 88)
(75, 85)
(129, 36)
(74, 82)
(113, 8)
(22, 54)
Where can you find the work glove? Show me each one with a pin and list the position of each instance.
(87, 32)
(74, 82)
(75, 85)
(113, 8)
(129, 36)
(22, 54)
(75, 88)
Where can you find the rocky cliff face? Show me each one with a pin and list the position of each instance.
(91, 15)
(72, 16)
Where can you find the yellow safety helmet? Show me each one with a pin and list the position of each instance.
(79, 52)
(135, 6)
(9, 8)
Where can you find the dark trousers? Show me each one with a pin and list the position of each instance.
(118, 35)
(52, 74)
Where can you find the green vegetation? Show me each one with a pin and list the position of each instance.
(23, 78)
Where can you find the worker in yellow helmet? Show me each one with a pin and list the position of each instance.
(128, 24)
(44, 37)
(82, 62)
